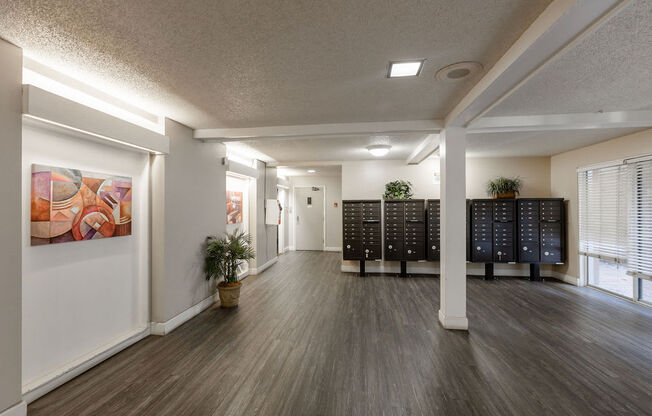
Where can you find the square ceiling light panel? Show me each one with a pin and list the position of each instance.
(398, 69)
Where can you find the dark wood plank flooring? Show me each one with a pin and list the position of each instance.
(310, 340)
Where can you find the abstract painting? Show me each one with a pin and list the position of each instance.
(233, 207)
(74, 205)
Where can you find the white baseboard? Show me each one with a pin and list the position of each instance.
(46, 384)
(17, 410)
(259, 270)
(453, 322)
(332, 248)
(243, 275)
(572, 280)
(163, 328)
(292, 248)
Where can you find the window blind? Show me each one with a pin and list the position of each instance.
(639, 256)
(603, 194)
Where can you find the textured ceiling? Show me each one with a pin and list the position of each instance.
(609, 70)
(541, 143)
(332, 148)
(236, 63)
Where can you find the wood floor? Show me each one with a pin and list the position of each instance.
(310, 340)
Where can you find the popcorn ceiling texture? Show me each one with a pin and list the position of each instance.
(609, 70)
(237, 63)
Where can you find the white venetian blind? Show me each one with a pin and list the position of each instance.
(640, 221)
(603, 224)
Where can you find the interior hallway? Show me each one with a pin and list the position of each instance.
(310, 340)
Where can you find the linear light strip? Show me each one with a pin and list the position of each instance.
(99, 136)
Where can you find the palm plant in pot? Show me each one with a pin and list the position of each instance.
(222, 256)
(503, 187)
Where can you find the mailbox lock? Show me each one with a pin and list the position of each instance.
(434, 247)
(366, 251)
(409, 251)
(524, 248)
(546, 253)
(348, 246)
(478, 248)
(389, 246)
(500, 253)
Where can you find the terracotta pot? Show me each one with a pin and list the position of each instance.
(506, 195)
(229, 295)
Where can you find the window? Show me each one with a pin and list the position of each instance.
(615, 212)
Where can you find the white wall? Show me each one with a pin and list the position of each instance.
(367, 179)
(81, 297)
(563, 175)
(189, 203)
(333, 186)
(10, 226)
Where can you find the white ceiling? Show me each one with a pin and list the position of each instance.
(234, 63)
(538, 143)
(338, 148)
(321, 170)
(609, 70)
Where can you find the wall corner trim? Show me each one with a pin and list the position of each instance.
(164, 328)
(332, 248)
(43, 386)
(259, 270)
(19, 409)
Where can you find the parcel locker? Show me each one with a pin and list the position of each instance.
(504, 240)
(553, 231)
(528, 231)
(405, 230)
(482, 231)
(433, 248)
(361, 230)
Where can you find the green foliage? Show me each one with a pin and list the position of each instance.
(503, 185)
(398, 190)
(222, 255)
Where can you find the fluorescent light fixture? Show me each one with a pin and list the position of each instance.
(379, 150)
(312, 171)
(405, 68)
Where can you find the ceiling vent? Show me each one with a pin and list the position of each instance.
(458, 71)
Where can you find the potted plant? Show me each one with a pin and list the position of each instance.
(503, 187)
(398, 190)
(222, 255)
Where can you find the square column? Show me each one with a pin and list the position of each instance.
(452, 309)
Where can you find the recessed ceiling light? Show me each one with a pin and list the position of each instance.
(379, 150)
(458, 71)
(311, 171)
(405, 68)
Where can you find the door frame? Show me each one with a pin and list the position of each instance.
(284, 242)
(294, 214)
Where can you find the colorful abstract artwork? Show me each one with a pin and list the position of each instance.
(233, 207)
(73, 205)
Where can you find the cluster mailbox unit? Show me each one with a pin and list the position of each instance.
(362, 231)
(525, 230)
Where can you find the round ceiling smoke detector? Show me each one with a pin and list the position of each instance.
(458, 71)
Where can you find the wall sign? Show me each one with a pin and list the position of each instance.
(74, 205)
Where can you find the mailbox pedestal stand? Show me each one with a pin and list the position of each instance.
(403, 269)
(362, 271)
(535, 274)
(489, 271)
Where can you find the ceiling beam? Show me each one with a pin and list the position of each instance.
(554, 122)
(318, 130)
(428, 146)
(562, 24)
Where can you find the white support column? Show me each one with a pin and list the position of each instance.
(452, 309)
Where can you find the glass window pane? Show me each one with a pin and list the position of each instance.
(646, 290)
(610, 276)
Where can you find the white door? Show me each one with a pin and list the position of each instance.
(309, 203)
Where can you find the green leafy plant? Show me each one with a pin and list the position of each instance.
(503, 185)
(222, 255)
(398, 190)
